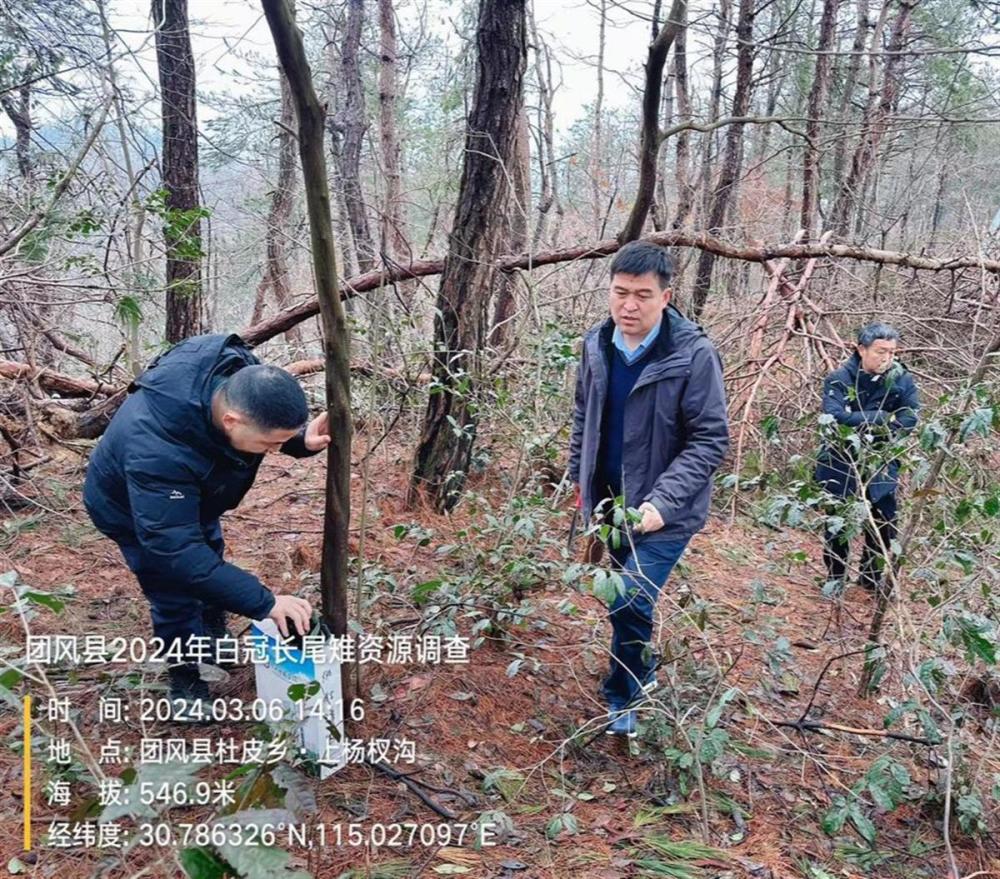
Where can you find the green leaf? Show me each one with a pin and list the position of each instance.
(11, 678)
(976, 633)
(422, 593)
(506, 782)
(128, 311)
(863, 824)
(769, 426)
(564, 823)
(712, 718)
(258, 861)
(896, 713)
(154, 775)
(932, 436)
(301, 692)
(200, 863)
(833, 820)
(43, 598)
(979, 423)
(883, 799)
(604, 587)
(300, 796)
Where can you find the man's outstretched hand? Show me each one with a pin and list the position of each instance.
(651, 519)
(291, 608)
(317, 435)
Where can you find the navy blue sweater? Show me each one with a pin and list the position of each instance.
(622, 377)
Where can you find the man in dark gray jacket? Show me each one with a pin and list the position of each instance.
(873, 401)
(649, 431)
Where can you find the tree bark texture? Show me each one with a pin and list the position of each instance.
(182, 228)
(650, 139)
(279, 218)
(846, 97)
(445, 448)
(336, 338)
(874, 125)
(518, 211)
(19, 113)
(352, 124)
(732, 159)
(816, 107)
(547, 172)
(394, 239)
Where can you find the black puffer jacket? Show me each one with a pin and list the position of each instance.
(162, 474)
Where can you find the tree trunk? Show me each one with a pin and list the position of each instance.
(353, 125)
(19, 114)
(394, 237)
(597, 139)
(732, 162)
(714, 103)
(650, 139)
(817, 106)
(334, 91)
(449, 429)
(279, 217)
(547, 172)
(518, 211)
(182, 227)
(850, 84)
(874, 125)
(682, 170)
(336, 338)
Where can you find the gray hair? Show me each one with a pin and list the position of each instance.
(873, 332)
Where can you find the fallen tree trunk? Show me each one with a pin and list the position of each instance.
(279, 323)
(69, 386)
(55, 382)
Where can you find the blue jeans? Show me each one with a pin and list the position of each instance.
(644, 571)
(176, 615)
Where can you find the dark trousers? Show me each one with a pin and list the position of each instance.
(644, 572)
(873, 560)
(176, 615)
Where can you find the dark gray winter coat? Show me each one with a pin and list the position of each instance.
(675, 432)
(870, 403)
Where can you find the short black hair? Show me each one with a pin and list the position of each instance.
(874, 332)
(270, 397)
(639, 257)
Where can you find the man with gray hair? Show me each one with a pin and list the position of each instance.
(875, 395)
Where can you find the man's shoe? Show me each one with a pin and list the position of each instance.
(622, 723)
(190, 699)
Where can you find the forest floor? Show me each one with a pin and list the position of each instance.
(578, 804)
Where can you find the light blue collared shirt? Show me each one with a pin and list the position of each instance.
(631, 356)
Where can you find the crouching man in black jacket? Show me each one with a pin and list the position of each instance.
(877, 397)
(183, 448)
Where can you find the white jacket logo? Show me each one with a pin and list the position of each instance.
(175, 495)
